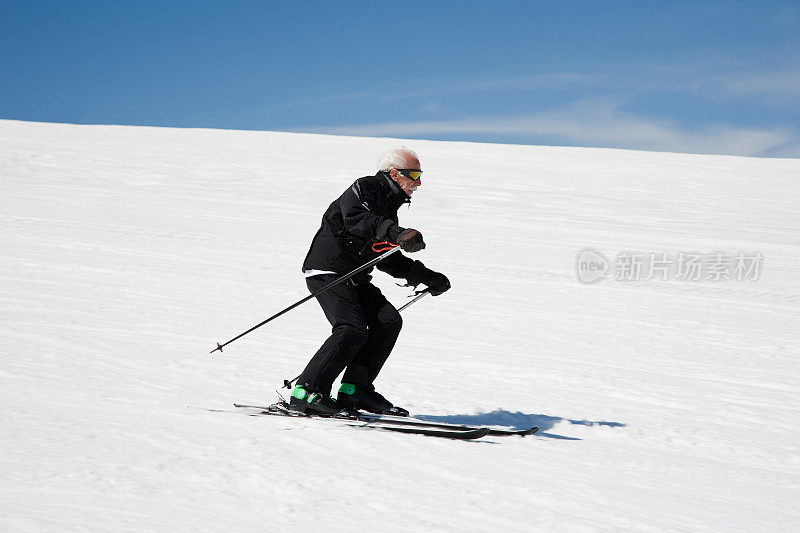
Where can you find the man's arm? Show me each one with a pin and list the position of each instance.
(359, 220)
(400, 266)
(357, 204)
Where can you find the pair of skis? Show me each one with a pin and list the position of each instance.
(393, 423)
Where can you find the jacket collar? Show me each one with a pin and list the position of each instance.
(397, 195)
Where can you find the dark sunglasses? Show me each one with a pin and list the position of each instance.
(410, 173)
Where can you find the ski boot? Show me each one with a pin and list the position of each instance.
(313, 403)
(364, 397)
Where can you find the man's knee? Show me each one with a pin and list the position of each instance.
(394, 322)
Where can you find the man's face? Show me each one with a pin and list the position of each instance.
(407, 184)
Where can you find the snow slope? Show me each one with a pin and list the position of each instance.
(128, 252)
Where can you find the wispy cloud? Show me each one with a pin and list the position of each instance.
(536, 81)
(712, 81)
(786, 82)
(594, 123)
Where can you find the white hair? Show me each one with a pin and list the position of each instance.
(400, 157)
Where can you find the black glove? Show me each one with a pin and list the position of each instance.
(436, 281)
(409, 240)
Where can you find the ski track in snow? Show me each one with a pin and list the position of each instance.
(128, 252)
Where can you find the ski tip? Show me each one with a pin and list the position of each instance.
(512, 432)
(481, 432)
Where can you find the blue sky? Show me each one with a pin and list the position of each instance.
(706, 77)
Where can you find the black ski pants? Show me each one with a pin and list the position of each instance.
(365, 328)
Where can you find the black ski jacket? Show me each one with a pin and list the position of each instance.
(356, 220)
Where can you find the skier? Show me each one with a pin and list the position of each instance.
(365, 325)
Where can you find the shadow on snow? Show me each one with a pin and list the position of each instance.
(518, 420)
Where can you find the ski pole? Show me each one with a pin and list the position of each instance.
(288, 384)
(417, 297)
(313, 294)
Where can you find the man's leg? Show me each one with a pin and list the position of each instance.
(343, 310)
(384, 326)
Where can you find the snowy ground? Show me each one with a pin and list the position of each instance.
(128, 252)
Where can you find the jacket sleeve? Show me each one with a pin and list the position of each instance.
(400, 266)
(356, 205)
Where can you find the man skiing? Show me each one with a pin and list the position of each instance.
(365, 325)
